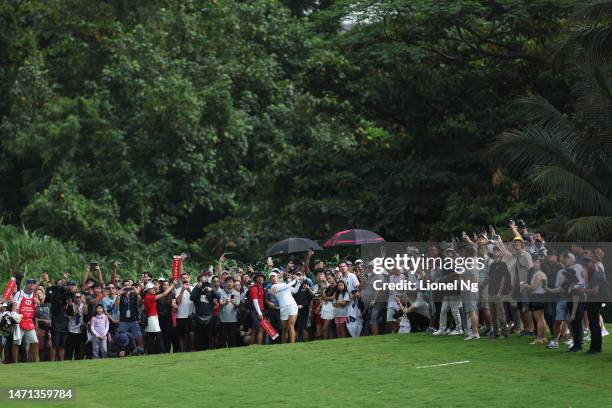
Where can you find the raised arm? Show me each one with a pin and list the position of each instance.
(100, 277)
(220, 264)
(85, 276)
(114, 271)
(167, 291)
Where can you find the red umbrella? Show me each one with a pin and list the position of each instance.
(353, 237)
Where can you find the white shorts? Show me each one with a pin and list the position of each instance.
(152, 325)
(391, 309)
(291, 310)
(29, 335)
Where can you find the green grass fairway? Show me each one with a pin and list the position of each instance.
(365, 372)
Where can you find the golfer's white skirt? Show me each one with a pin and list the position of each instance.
(152, 325)
(289, 310)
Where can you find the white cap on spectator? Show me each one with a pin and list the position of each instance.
(272, 273)
(359, 261)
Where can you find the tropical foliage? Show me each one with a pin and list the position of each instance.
(141, 129)
(569, 153)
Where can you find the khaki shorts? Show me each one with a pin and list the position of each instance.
(28, 335)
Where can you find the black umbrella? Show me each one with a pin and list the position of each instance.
(353, 237)
(293, 245)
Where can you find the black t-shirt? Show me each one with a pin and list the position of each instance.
(164, 310)
(128, 303)
(57, 296)
(497, 270)
(203, 300)
(303, 296)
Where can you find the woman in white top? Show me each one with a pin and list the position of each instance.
(286, 304)
(537, 288)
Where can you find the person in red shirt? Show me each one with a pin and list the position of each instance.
(153, 331)
(257, 295)
(25, 303)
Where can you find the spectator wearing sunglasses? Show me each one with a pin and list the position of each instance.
(109, 303)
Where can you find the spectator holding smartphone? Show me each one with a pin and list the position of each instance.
(228, 313)
(128, 301)
(185, 308)
(204, 299)
(75, 340)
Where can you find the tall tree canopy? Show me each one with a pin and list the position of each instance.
(129, 125)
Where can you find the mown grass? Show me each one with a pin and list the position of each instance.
(377, 371)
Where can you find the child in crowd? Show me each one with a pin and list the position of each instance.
(99, 330)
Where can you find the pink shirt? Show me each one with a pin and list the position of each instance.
(99, 325)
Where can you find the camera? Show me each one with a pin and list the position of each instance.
(93, 266)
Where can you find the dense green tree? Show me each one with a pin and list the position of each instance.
(149, 126)
(569, 153)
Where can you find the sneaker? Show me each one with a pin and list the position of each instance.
(438, 332)
(605, 333)
(587, 338)
(569, 342)
(447, 331)
(552, 345)
(472, 337)
(455, 332)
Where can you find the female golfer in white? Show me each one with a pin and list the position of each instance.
(286, 303)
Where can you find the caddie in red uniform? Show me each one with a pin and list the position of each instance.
(25, 303)
(257, 295)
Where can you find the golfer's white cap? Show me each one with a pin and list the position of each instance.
(149, 285)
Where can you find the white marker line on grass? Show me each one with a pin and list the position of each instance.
(445, 364)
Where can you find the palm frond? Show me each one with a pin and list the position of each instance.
(534, 145)
(580, 192)
(591, 228)
(536, 109)
(594, 13)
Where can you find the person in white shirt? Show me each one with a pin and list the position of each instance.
(395, 278)
(287, 305)
(351, 280)
(185, 309)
